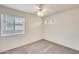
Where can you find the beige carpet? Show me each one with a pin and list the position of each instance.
(42, 47)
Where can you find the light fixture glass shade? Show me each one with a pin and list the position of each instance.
(44, 10)
(40, 14)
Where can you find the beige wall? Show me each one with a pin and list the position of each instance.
(65, 31)
(33, 31)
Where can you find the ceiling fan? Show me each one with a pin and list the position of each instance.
(40, 11)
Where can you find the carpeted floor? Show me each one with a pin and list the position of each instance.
(42, 47)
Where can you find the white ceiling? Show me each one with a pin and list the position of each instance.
(51, 8)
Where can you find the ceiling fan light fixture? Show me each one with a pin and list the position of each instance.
(40, 11)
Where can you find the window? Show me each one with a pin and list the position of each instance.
(11, 25)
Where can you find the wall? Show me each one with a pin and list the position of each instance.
(33, 30)
(65, 31)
